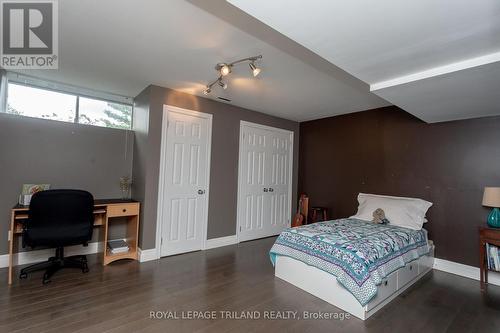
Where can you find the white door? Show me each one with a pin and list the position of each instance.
(185, 163)
(265, 181)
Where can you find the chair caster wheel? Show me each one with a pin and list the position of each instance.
(46, 279)
(23, 276)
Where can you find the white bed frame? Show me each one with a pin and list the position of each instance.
(325, 286)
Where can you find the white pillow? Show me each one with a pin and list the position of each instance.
(400, 211)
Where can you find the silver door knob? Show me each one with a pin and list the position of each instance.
(200, 192)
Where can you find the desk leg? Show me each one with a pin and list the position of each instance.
(105, 240)
(11, 246)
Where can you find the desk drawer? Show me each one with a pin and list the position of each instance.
(128, 209)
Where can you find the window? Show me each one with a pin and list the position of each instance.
(102, 113)
(31, 101)
(39, 103)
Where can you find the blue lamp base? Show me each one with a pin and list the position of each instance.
(494, 218)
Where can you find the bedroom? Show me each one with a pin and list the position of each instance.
(398, 100)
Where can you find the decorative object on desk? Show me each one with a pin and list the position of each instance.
(125, 184)
(118, 246)
(491, 198)
(379, 216)
(28, 190)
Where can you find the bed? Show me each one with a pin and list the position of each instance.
(356, 265)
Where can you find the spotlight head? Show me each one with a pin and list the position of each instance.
(255, 69)
(224, 69)
(207, 91)
(223, 84)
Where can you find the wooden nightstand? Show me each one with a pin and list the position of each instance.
(490, 236)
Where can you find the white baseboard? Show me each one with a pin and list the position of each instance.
(31, 257)
(147, 255)
(152, 254)
(467, 271)
(221, 241)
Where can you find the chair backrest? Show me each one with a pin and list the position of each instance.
(59, 218)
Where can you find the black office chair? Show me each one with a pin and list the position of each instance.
(59, 218)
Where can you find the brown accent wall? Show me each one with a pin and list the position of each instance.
(388, 151)
(224, 160)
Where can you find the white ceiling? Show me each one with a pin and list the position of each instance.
(468, 93)
(393, 44)
(122, 46)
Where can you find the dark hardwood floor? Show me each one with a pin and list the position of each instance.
(120, 297)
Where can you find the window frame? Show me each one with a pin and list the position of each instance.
(32, 82)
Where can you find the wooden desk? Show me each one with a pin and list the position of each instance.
(486, 236)
(104, 212)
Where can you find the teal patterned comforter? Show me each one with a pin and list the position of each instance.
(359, 254)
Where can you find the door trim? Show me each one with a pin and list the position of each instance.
(291, 169)
(163, 169)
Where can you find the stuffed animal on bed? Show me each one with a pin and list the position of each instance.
(379, 216)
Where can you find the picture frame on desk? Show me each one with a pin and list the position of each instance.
(28, 190)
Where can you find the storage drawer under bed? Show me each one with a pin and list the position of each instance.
(398, 279)
(407, 273)
(385, 289)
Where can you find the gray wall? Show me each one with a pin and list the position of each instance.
(92, 158)
(64, 155)
(224, 166)
(141, 151)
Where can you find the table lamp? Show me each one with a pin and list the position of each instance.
(491, 198)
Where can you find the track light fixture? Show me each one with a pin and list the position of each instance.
(223, 84)
(255, 69)
(225, 69)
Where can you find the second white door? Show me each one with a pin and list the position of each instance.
(186, 164)
(265, 181)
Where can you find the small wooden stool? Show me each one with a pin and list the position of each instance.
(322, 211)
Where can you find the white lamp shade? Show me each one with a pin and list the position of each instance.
(491, 197)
